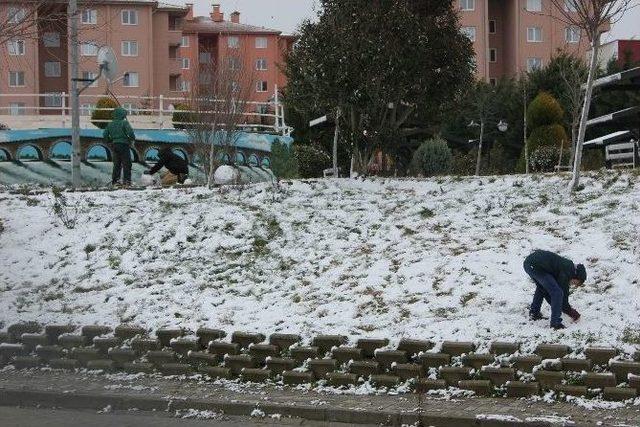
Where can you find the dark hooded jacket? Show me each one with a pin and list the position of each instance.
(119, 131)
(170, 160)
(562, 269)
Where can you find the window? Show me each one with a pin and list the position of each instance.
(204, 79)
(492, 26)
(87, 109)
(52, 69)
(16, 78)
(572, 35)
(17, 15)
(129, 107)
(262, 109)
(129, 48)
(90, 75)
(186, 63)
(184, 86)
(261, 43)
(233, 42)
(234, 63)
(129, 17)
(493, 55)
(89, 16)
(17, 109)
(469, 32)
(51, 39)
(467, 4)
(570, 6)
(493, 81)
(88, 49)
(262, 86)
(16, 47)
(53, 99)
(205, 58)
(235, 87)
(534, 64)
(534, 34)
(184, 42)
(261, 64)
(131, 79)
(534, 5)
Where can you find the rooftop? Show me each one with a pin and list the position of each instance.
(204, 24)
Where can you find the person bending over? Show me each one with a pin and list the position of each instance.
(177, 167)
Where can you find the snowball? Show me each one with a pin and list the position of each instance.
(226, 175)
(149, 180)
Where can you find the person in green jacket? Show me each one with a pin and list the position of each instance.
(552, 275)
(119, 134)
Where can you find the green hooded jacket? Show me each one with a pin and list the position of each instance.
(119, 131)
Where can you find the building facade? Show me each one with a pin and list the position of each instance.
(514, 36)
(625, 52)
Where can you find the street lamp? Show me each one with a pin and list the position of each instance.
(502, 126)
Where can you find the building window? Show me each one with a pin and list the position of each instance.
(16, 47)
(90, 75)
(572, 34)
(261, 64)
(233, 42)
(129, 107)
(88, 49)
(184, 42)
(131, 79)
(534, 64)
(205, 57)
(87, 109)
(492, 26)
(234, 63)
(534, 5)
(467, 4)
(16, 78)
(52, 69)
(17, 109)
(89, 16)
(534, 34)
(16, 15)
(262, 86)
(570, 6)
(262, 109)
(493, 55)
(53, 100)
(184, 86)
(262, 42)
(493, 81)
(51, 39)
(469, 32)
(129, 48)
(129, 17)
(186, 63)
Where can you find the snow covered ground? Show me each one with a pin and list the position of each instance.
(438, 259)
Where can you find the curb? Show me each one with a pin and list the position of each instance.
(331, 414)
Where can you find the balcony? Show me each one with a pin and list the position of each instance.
(175, 38)
(175, 66)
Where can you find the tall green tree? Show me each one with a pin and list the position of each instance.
(390, 66)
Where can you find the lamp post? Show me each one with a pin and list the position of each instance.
(502, 126)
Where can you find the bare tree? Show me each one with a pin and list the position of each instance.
(591, 17)
(573, 74)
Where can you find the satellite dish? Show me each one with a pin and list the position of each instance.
(108, 63)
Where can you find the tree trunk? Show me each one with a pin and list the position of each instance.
(479, 160)
(575, 181)
(526, 143)
(211, 157)
(574, 140)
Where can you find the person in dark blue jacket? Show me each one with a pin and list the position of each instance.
(552, 275)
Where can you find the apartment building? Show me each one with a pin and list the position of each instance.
(159, 47)
(513, 36)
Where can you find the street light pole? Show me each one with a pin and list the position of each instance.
(480, 147)
(76, 178)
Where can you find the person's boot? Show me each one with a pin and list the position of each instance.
(537, 316)
(558, 326)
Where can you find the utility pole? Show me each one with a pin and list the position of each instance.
(335, 144)
(479, 159)
(76, 178)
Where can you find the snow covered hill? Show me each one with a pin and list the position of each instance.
(438, 259)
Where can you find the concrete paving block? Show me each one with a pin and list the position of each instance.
(277, 365)
(31, 341)
(205, 335)
(477, 360)
(522, 389)
(502, 347)
(68, 364)
(571, 390)
(457, 348)
(296, 378)
(255, 375)
(424, 385)
(364, 368)
(176, 369)
(138, 368)
(26, 362)
(244, 339)
(321, 367)
(526, 363)
(48, 352)
(600, 355)
(623, 369)
(549, 379)
(636, 355)
(184, 345)
(386, 358)
(595, 380)
(339, 379)
(143, 345)
(284, 341)
(120, 356)
(86, 354)
(4, 337)
(165, 335)
(69, 341)
(162, 357)
(370, 345)
(10, 350)
(101, 365)
(620, 393)
(388, 381)
(326, 342)
(126, 332)
(301, 354)
(54, 331)
(552, 351)
(16, 330)
(575, 365)
(222, 348)
(92, 331)
(480, 387)
(454, 374)
(260, 352)
(238, 363)
(201, 358)
(345, 354)
(434, 360)
(407, 371)
(105, 343)
(634, 382)
(216, 372)
(414, 347)
(498, 376)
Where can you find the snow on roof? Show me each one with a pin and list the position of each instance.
(204, 24)
(606, 139)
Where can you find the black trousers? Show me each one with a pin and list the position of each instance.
(121, 163)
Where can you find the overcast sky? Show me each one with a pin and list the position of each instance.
(285, 15)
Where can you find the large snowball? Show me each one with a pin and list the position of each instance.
(149, 180)
(226, 175)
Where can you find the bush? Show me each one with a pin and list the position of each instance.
(549, 136)
(312, 161)
(283, 161)
(181, 116)
(464, 164)
(433, 157)
(104, 111)
(544, 110)
(544, 159)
